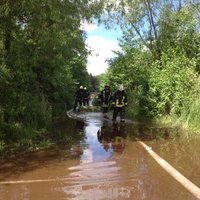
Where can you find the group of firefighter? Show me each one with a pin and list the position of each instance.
(116, 101)
(82, 98)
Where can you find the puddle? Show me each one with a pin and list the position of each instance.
(104, 162)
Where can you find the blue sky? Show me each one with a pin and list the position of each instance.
(102, 42)
(110, 34)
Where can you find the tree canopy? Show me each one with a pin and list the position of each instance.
(43, 60)
(159, 64)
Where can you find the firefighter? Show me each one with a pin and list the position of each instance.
(86, 97)
(78, 98)
(119, 102)
(105, 98)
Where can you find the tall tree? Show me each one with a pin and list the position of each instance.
(42, 58)
(160, 45)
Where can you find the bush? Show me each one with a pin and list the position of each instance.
(172, 84)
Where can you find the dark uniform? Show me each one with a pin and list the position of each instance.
(119, 102)
(78, 98)
(105, 97)
(86, 97)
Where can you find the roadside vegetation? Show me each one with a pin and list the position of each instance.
(42, 62)
(160, 60)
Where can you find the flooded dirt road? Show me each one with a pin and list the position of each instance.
(107, 162)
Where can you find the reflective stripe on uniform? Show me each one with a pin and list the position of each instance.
(120, 105)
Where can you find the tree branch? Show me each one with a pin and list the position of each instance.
(150, 16)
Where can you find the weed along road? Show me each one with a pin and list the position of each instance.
(110, 161)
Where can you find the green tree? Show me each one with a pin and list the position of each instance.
(160, 56)
(42, 59)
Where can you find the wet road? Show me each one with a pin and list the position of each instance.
(108, 163)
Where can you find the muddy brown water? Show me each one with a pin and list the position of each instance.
(106, 163)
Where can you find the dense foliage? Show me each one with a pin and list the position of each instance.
(42, 62)
(159, 64)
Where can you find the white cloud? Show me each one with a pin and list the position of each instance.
(102, 49)
(88, 27)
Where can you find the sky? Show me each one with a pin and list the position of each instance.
(101, 42)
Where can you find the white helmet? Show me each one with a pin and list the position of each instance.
(85, 88)
(81, 87)
(121, 87)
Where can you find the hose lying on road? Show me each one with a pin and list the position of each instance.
(191, 187)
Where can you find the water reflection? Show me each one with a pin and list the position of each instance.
(149, 133)
(112, 138)
(102, 165)
(80, 125)
(92, 150)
